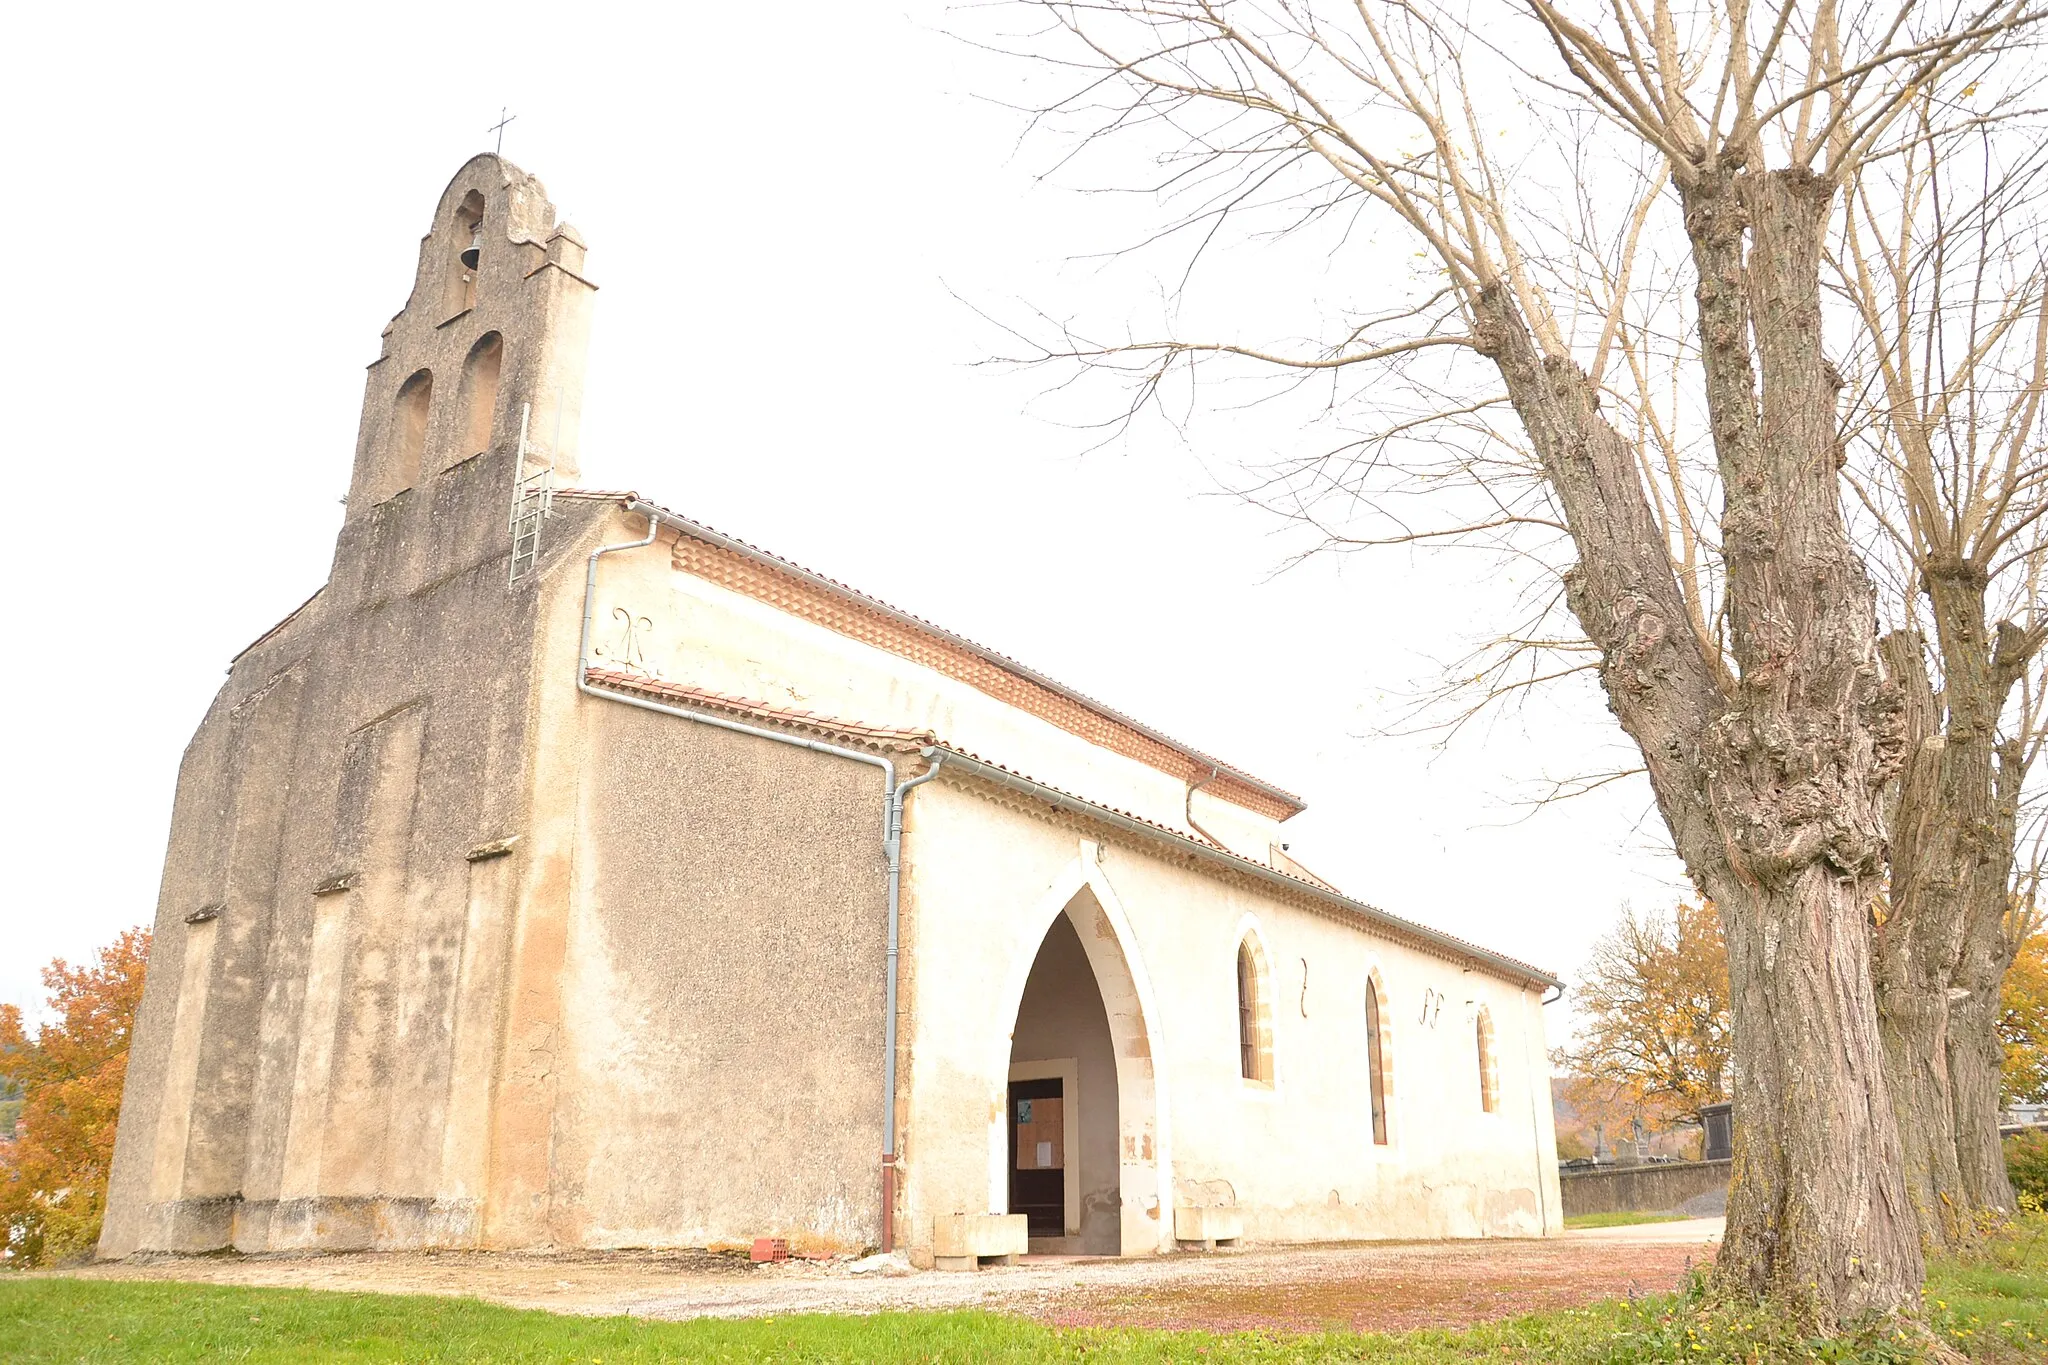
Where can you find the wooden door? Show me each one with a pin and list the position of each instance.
(1038, 1155)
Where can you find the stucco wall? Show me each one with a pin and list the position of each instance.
(724, 989)
(319, 1035)
(984, 880)
(1296, 1157)
(295, 1088)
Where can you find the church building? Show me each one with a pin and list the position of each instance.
(565, 873)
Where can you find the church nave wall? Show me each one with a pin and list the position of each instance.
(723, 986)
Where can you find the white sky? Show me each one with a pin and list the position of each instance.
(214, 214)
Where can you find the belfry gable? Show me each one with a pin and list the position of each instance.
(489, 347)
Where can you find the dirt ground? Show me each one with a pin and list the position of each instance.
(1385, 1286)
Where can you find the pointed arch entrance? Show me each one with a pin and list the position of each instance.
(1080, 1151)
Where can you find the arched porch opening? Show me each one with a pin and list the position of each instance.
(1079, 1152)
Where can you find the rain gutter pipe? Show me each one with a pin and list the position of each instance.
(1451, 946)
(892, 831)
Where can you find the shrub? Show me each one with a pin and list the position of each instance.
(2026, 1164)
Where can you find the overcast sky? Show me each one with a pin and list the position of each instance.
(790, 210)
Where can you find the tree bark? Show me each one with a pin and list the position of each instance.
(1917, 945)
(1943, 949)
(1795, 769)
(1975, 1055)
(1975, 1059)
(1772, 787)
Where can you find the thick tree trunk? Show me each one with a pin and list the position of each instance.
(1942, 949)
(1817, 1211)
(1917, 944)
(1913, 1022)
(1794, 770)
(1975, 1059)
(1770, 782)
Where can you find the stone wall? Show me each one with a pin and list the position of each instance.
(1643, 1189)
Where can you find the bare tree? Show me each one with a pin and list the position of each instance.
(1938, 256)
(1943, 265)
(1724, 135)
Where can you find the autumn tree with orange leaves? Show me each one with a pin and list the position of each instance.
(1655, 1029)
(2023, 1023)
(53, 1175)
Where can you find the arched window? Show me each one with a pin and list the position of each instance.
(1254, 1017)
(409, 428)
(480, 392)
(1489, 1073)
(1376, 1063)
(462, 251)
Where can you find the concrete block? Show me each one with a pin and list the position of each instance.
(968, 1237)
(1207, 1225)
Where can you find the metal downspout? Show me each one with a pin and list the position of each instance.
(894, 849)
(1193, 787)
(1536, 1119)
(892, 831)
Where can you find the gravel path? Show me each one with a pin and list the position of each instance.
(1382, 1286)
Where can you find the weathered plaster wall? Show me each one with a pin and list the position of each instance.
(724, 988)
(319, 1032)
(986, 880)
(326, 807)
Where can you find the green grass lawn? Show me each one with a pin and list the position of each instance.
(1621, 1218)
(1994, 1308)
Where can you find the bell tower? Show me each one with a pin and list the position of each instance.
(497, 327)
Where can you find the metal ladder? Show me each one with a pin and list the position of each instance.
(533, 497)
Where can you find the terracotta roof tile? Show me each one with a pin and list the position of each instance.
(875, 736)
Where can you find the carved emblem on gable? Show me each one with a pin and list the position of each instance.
(624, 643)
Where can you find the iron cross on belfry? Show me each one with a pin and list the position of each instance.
(499, 127)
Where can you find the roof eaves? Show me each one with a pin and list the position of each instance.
(830, 727)
(1499, 964)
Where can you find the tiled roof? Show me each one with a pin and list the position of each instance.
(1290, 876)
(748, 569)
(827, 727)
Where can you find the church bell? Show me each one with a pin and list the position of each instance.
(475, 248)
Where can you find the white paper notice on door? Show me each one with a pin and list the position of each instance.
(1044, 1155)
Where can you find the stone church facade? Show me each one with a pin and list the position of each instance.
(566, 873)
